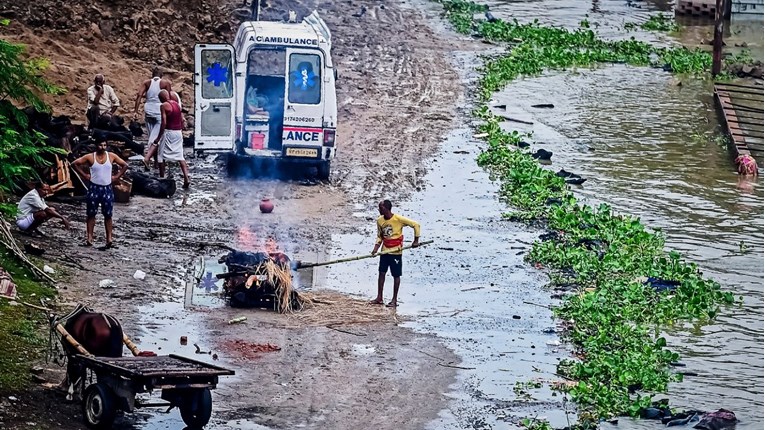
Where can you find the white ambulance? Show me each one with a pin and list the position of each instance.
(270, 96)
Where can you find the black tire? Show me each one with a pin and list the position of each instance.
(235, 167)
(99, 406)
(196, 408)
(323, 170)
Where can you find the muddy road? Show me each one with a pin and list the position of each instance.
(398, 96)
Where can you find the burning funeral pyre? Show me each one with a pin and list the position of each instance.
(260, 279)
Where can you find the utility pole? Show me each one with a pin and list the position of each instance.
(255, 8)
(718, 40)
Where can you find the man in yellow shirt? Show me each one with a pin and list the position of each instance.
(390, 234)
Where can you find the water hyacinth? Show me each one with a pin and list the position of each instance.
(604, 259)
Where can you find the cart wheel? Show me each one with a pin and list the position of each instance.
(98, 406)
(196, 408)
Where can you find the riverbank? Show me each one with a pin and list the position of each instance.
(594, 254)
(23, 330)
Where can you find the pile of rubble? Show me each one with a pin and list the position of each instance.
(156, 31)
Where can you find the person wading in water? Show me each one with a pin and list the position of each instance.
(390, 234)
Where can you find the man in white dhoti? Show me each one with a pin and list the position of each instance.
(170, 139)
(151, 88)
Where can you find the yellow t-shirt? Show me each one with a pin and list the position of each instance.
(390, 232)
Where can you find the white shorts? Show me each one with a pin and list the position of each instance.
(24, 223)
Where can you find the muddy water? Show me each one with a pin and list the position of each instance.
(645, 140)
(469, 288)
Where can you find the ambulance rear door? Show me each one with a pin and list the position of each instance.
(303, 133)
(215, 96)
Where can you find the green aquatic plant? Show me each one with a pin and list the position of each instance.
(605, 259)
(460, 13)
(535, 424)
(658, 22)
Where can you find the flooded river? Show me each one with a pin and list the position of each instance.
(646, 142)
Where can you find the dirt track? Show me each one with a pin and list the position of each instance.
(397, 97)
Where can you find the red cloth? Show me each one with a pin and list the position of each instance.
(394, 243)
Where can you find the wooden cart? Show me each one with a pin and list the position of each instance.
(184, 383)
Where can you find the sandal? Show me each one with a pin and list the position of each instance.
(376, 302)
(86, 244)
(391, 305)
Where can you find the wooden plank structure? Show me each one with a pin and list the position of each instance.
(741, 110)
(751, 9)
(700, 8)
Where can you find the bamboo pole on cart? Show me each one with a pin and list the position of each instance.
(68, 337)
(130, 345)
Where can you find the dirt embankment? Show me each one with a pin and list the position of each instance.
(397, 96)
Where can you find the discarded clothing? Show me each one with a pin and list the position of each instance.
(721, 419)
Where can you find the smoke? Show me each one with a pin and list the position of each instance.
(249, 168)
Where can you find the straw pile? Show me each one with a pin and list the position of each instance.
(280, 276)
(329, 308)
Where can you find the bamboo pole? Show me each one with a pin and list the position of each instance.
(131, 346)
(65, 334)
(301, 265)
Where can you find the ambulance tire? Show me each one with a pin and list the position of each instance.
(235, 167)
(323, 170)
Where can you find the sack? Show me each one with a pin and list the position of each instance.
(135, 129)
(150, 186)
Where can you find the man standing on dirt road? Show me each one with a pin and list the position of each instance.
(170, 138)
(390, 234)
(152, 114)
(102, 102)
(101, 175)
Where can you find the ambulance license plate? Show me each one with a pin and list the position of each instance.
(302, 152)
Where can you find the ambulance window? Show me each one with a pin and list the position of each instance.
(305, 79)
(267, 62)
(217, 76)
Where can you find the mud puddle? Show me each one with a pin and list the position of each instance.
(177, 325)
(469, 289)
